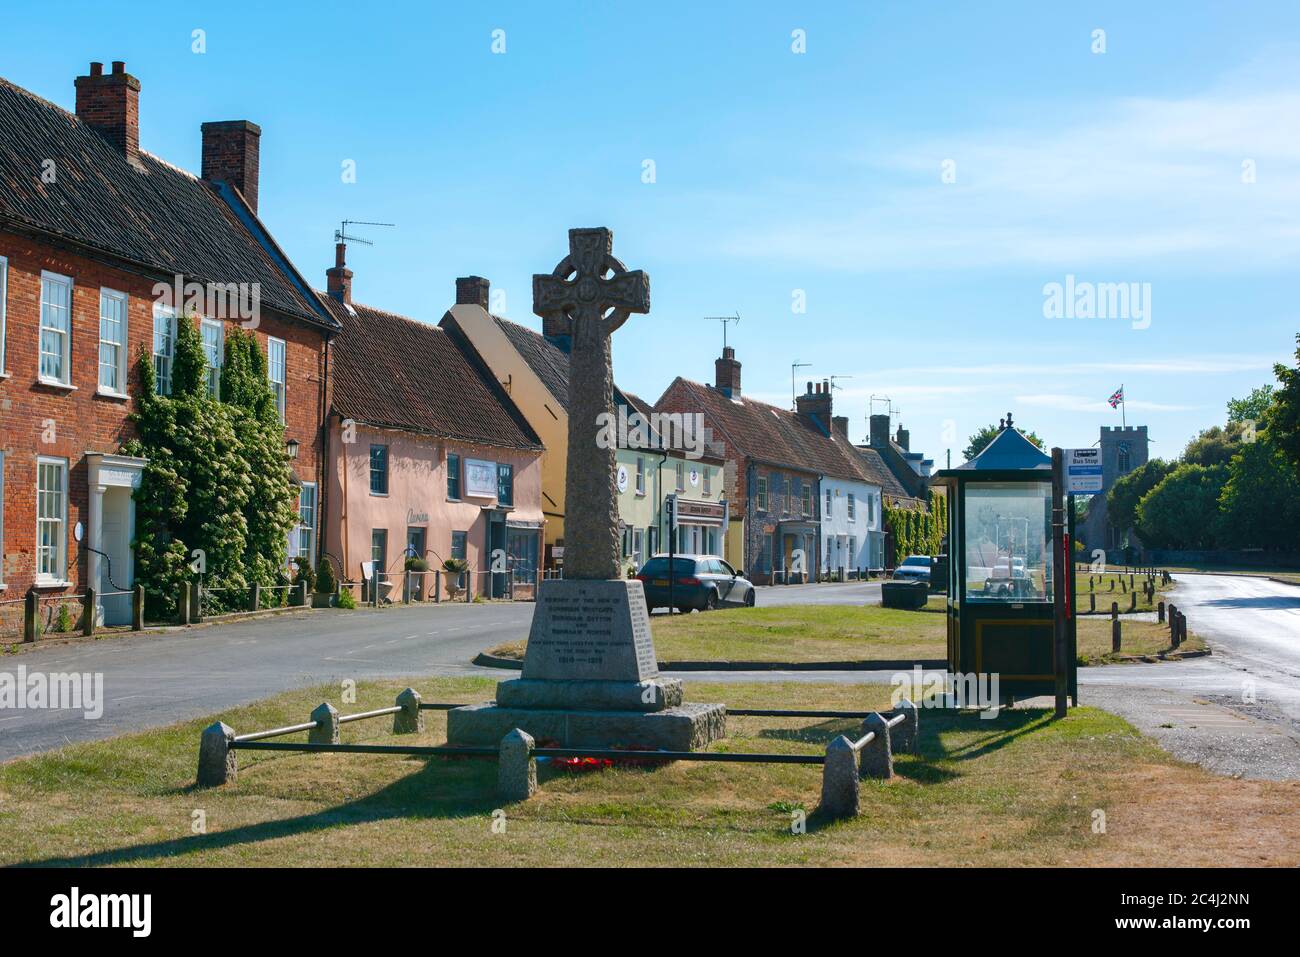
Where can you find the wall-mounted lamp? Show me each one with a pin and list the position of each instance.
(291, 448)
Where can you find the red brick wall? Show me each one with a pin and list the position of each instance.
(86, 422)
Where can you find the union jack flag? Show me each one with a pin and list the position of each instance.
(1116, 398)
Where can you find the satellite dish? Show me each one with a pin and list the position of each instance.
(78, 532)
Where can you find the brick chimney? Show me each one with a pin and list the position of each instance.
(231, 155)
(840, 426)
(879, 430)
(726, 371)
(815, 404)
(338, 281)
(110, 105)
(903, 438)
(472, 291)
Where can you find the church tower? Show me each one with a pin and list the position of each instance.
(1123, 448)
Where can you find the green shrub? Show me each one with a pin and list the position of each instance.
(303, 573)
(346, 600)
(65, 623)
(326, 584)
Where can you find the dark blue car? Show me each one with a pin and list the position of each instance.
(702, 582)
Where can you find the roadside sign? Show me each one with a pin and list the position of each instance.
(1082, 471)
(670, 507)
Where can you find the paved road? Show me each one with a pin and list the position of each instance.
(150, 681)
(1201, 709)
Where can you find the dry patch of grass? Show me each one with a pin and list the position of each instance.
(1136, 638)
(1018, 790)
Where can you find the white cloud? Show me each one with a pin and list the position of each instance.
(1118, 181)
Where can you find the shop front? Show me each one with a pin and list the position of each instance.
(700, 527)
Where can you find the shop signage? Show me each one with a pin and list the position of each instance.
(416, 518)
(480, 478)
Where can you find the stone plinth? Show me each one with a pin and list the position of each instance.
(590, 679)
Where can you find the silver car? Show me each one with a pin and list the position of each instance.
(914, 568)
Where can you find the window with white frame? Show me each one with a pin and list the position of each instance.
(853, 507)
(112, 341)
(302, 540)
(275, 370)
(4, 301)
(51, 519)
(708, 480)
(213, 333)
(640, 475)
(164, 347)
(56, 329)
(829, 505)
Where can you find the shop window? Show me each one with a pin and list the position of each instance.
(453, 476)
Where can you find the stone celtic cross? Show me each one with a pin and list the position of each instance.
(592, 293)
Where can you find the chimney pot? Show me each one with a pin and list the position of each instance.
(727, 373)
(338, 280)
(232, 155)
(110, 105)
(879, 430)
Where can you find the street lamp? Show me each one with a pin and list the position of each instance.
(291, 448)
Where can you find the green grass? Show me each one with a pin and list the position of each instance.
(1018, 790)
(1141, 638)
(1102, 584)
(794, 633)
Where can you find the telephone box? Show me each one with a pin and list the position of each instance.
(1000, 612)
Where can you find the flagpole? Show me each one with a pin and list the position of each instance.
(1123, 406)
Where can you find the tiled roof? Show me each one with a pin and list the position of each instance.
(154, 216)
(398, 373)
(770, 434)
(548, 361)
(880, 472)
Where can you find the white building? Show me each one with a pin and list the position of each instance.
(852, 526)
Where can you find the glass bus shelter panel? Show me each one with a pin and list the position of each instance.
(1008, 541)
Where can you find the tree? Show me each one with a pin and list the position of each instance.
(1182, 511)
(1124, 495)
(1251, 408)
(984, 436)
(1215, 445)
(1284, 416)
(1260, 502)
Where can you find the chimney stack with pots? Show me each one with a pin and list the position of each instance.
(338, 281)
(815, 404)
(903, 438)
(727, 373)
(879, 430)
(110, 105)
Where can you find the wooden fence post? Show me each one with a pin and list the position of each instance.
(137, 608)
(254, 596)
(1160, 613)
(31, 615)
(88, 609)
(183, 604)
(1114, 627)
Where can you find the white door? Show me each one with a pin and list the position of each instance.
(115, 542)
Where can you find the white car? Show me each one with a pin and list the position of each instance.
(913, 568)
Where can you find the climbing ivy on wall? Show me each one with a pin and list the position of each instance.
(918, 530)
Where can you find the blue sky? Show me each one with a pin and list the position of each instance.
(778, 172)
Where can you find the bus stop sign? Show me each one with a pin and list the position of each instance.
(1082, 471)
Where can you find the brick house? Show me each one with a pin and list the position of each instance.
(427, 455)
(93, 229)
(781, 462)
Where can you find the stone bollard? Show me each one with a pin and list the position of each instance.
(875, 760)
(516, 767)
(217, 763)
(906, 737)
(840, 780)
(1114, 626)
(326, 731)
(410, 720)
(1160, 613)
